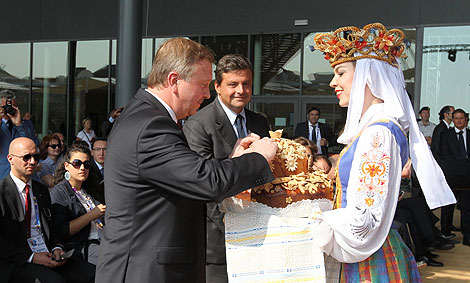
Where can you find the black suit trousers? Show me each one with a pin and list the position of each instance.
(75, 270)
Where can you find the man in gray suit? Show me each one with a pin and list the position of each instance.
(213, 132)
(156, 186)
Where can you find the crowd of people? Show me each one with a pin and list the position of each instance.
(159, 217)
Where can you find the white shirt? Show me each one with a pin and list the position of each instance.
(232, 116)
(314, 131)
(20, 186)
(464, 136)
(87, 137)
(167, 107)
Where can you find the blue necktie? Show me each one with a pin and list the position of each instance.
(239, 126)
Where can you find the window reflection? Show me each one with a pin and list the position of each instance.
(91, 83)
(14, 72)
(277, 64)
(279, 116)
(50, 87)
(147, 57)
(444, 82)
(223, 45)
(317, 71)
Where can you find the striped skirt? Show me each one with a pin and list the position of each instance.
(393, 262)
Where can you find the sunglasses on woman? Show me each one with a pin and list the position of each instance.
(77, 163)
(54, 146)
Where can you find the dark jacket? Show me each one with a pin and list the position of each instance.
(211, 135)
(14, 249)
(156, 190)
(66, 207)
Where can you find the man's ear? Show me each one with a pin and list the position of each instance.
(172, 80)
(216, 87)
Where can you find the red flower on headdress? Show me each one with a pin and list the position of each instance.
(361, 43)
(383, 41)
(335, 47)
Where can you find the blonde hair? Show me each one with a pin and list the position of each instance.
(177, 55)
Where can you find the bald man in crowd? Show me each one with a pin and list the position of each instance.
(29, 250)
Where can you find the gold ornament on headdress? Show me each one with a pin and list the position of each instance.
(372, 41)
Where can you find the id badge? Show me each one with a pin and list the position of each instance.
(37, 244)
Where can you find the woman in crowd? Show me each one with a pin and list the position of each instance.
(87, 134)
(369, 81)
(49, 151)
(77, 217)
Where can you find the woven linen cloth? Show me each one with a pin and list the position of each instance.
(265, 244)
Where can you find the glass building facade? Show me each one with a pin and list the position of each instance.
(61, 83)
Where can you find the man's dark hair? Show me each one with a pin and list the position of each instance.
(459, 111)
(424, 108)
(314, 108)
(231, 63)
(445, 109)
(97, 139)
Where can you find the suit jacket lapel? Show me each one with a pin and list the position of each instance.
(223, 124)
(13, 198)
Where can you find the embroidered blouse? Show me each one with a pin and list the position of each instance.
(368, 184)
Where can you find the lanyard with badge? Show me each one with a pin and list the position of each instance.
(90, 205)
(37, 244)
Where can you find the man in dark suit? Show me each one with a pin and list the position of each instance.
(25, 226)
(319, 133)
(445, 118)
(455, 163)
(157, 187)
(96, 176)
(213, 132)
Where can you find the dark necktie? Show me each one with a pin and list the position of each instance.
(239, 126)
(314, 134)
(463, 152)
(180, 124)
(102, 171)
(27, 210)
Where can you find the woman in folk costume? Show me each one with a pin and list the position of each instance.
(369, 81)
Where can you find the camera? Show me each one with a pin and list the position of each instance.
(8, 107)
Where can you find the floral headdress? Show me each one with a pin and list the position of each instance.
(372, 41)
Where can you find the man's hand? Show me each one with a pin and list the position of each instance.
(428, 140)
(15, 119)
(44, 258)
(116, 112)
(243, 144)
(323, 142)
(406, 171)
(57, 255)
(266, 147)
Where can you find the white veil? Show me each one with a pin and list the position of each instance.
(387, 83)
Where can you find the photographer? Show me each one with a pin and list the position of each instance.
(12, 127)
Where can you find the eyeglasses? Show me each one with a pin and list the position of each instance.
(27, 157)
(77, 163)
(54, 146)
(100, 149)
